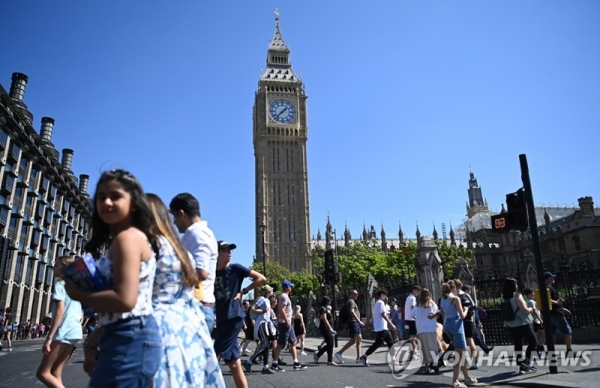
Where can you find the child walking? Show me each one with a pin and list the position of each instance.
(65, 330)
(131, 345)
(538, 323)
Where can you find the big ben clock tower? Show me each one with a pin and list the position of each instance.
(280, 131)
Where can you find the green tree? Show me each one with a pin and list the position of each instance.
(304, 283)
(450, 255)
(276, 273)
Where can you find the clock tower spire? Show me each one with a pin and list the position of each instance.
(280, 132)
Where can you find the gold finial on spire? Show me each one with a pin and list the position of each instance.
(276, 14)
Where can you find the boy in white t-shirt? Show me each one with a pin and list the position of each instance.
(380, 325)
(409, 317)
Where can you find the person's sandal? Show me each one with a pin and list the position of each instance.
(458, 384)
(470, 381)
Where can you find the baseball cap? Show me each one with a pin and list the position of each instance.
(286, 284)
(549, 274)
(224, 245)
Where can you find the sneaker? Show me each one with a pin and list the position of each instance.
(339, 357)
(276, 368)
(247, 368)
(470, 381)
(298, 366)
(10, 349)
(332, 363)
(269, 371)
(316, 358)
(363, 360)
(281, 362)
(474, 367)
(525, 368)
(358, 361)
(570, 353)
(303, 353)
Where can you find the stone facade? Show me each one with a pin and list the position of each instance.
(569, 237)
(280, 132)
(45, 210)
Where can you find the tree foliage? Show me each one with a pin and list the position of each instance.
(276, 273)
(450, 255)
(358, 261)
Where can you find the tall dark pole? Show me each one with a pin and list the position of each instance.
(537, 251)
(263, 228)
(333, 296)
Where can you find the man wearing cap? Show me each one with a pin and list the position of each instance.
(558, 312)
(229, 312)
(285, 328)
(200, 241)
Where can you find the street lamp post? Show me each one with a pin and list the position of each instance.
(263, 228)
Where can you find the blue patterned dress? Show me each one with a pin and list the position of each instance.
(189, 359)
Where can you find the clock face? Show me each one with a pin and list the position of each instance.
(282, 111)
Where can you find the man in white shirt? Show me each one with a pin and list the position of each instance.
(200, 241)
(409, 317)
(380, 326)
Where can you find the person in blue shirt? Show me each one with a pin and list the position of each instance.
(65, 330)
(396, 317)
(229, 312)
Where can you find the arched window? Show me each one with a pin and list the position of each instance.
(576, 242)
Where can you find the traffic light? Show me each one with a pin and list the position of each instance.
(515, 217)
(517, 210)
(332, 275)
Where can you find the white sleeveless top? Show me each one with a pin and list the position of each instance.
(143, 306)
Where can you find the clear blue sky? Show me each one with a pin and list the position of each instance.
(405, 97)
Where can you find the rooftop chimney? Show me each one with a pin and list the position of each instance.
(67, 158)
(47, 126)
(83, 183)
(17, 87)
(586, 204)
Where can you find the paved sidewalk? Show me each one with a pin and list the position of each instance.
(583, 371)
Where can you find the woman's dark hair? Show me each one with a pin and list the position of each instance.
(509, 289)
(142, 217)
(325, 301)
(165, 228)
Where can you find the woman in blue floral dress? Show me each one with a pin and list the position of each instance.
(189, 359)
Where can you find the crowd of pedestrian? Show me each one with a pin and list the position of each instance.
(174, 307)
(452, 325)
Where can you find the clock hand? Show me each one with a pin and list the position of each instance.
(279, 114)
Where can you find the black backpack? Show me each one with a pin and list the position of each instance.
(344, 315)
(506, 311)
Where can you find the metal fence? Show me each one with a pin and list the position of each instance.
(578, 286)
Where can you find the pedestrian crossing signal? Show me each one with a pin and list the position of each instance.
(516, 216)
(500, 223)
